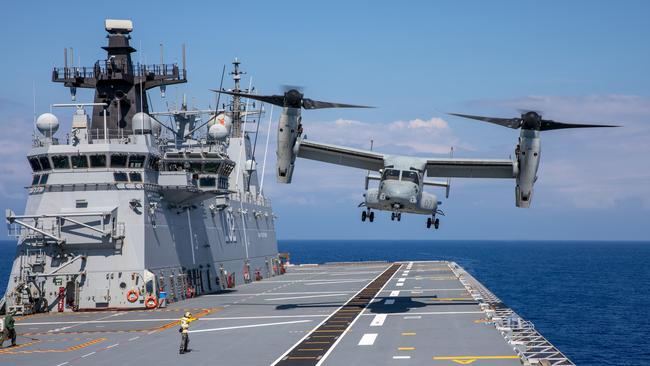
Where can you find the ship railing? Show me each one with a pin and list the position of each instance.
(41, 141)
(104, 69)
(251, 198)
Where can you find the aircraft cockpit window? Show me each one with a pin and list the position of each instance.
(61, 162)
(410, 176)
(391, 174)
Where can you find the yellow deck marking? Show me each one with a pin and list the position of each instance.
(312, 342)
(301, 358)
(408, 333)
(466, 360)
(406, 348)
(60, 350)
(310, 349)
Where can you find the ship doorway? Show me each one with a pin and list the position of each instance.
(71, 294)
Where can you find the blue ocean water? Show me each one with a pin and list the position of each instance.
(590, 299)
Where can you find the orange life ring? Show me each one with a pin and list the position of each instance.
(151, 302)
(132, 295)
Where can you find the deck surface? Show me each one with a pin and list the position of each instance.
(409, 313)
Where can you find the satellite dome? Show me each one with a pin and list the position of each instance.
(141, 123)
(251, 165)
(221, 119)
(218, 131)
(47, 124)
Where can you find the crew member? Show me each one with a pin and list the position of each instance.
(185, 327)
(10, 329)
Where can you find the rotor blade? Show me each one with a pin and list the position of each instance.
(317, 104)
(272, 99)
(514, 123)
(548, 125)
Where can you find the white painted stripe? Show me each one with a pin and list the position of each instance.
(62, 363)
(332, 282)
(394, 293)
(265, 317)
(413, 317)
(113, 345)
(302, 297)
(134, 338)
(378, 321)
(401, 280)
(427, 313)
(389, 302)
(400, 284)
(368, 339)
(336, 342)
(401, 357)
(248, 326)
(88, 354)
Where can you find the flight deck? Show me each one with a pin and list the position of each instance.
(366, 313)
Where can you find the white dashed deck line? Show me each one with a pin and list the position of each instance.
(394, 293)
(62, 363)
(302, 297)
(88, 354)
(400, 284)
(401, 280)
(113, 345)
(401, 357)
(389, 302)
(413, 317)
(368, 339)
(134, 338)
(378, 320)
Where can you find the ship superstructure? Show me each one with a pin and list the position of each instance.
(127, 207)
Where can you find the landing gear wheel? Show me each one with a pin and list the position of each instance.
(363, 216)
(399, 216)
(392, 216)
(436, 223)
(428, 223)
(371, 216)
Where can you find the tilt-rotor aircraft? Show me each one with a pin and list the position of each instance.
(402, 178)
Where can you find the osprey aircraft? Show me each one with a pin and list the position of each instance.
(402, 178)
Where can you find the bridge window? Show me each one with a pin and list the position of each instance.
(36, 179)
(136, 161)
(61, 162)
(391, 174)
(79, 161)
(120, 177)
(410, 176)
(153, 163)
(98, 161)
(195, 167)
(36, 165)
(135, 177)
(118, 161)
(45, 163)
(44, 179)
(207, 182)
(210, 167)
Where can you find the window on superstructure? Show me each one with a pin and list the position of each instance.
(135, 177)
(60, 162)
(44, 179)
(79, 161)
(136, 161)
(118, 161)
(36, 165)
(195, 167)
(45, 163)
(36, 179)
(207, 182)
(153, 163)
(210, 167)
(120, 177)
(98, 161)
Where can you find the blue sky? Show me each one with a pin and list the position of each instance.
(578, 61)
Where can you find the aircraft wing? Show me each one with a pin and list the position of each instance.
(471, 168)
(340, 155)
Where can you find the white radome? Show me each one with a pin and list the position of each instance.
(218, 131)
(141, 123)
(221, 119)
(47, 124)
(251, 165)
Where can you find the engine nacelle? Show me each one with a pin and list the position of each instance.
(528, 155)
(288, 131)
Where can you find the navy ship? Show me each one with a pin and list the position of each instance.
(126, 212)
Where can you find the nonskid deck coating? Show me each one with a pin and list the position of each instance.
(408, 313)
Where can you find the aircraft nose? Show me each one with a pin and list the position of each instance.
(396, 192)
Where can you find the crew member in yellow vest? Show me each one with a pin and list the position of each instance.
(185, 327)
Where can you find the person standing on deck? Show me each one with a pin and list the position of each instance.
(10, 329)
(185, 327)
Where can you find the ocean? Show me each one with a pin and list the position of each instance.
(590, 299)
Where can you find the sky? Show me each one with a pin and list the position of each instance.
(577, 61)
